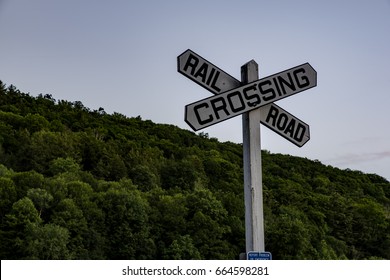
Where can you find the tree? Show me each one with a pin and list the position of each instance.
(207, 224)
(182, 248)
(111, 167)
(89, 232)
(168, 217)
(62, 165)
(47, 242)
(126, 224)
(143, 177)
(288, 235)
(178, 174)
(7, 196)
(27, 180)
(41, 199)
(69, 216)
(47, 146)
(370, 226)
(15, 231)
(35, 122)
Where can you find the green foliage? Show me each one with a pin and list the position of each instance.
(126, 223)
(41, 198)
(47, 242)
(83, 184)
(62, 165)
(15, 229)
(182, 248)
(69, 216)
(27, 180)
(7, 194)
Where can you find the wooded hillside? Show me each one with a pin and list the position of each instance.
(77, 183)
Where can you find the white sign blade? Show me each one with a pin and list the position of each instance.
(259, 93)
(285, 124)
(205, 73)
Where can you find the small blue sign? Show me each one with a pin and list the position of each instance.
(259, 256)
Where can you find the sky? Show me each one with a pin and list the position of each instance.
(122, 56)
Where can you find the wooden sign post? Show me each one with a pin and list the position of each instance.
(253, 181)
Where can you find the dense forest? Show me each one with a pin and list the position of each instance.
(77, 183)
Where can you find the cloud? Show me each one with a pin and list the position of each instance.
(354, 158)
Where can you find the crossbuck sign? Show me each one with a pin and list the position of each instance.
(245, 98)
(233, 99)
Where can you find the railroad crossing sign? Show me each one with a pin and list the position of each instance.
(253, 98)
(245, 98)
(217, 81)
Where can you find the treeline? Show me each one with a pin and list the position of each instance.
(77, 183)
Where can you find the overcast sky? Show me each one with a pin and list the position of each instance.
(122, 55)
